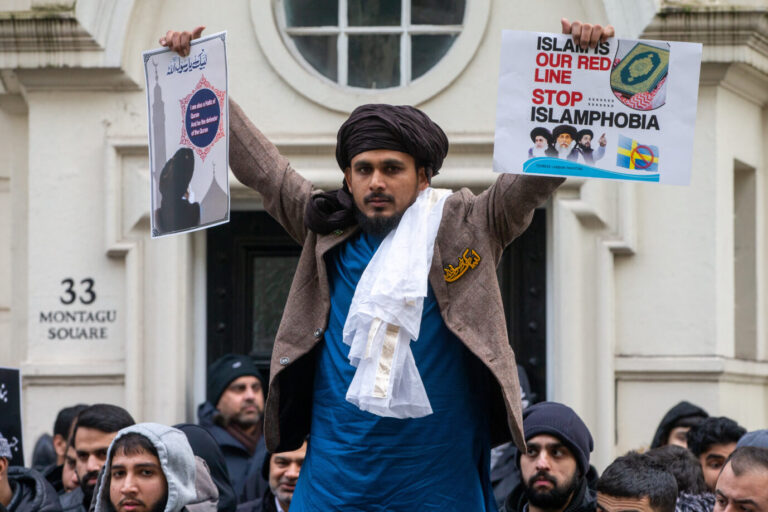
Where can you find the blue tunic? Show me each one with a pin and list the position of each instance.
(359, 461)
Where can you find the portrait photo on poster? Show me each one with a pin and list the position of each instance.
(188, 112)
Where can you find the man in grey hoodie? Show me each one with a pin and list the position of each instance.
(151, 468)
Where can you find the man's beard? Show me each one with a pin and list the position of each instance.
(281, 496)
(159, 506)
(88, 490)
(554, 499)
(244, 422)
(564, 151)
(377, 226)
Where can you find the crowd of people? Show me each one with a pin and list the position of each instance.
(101, 460)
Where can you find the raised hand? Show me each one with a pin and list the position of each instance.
(587, 34)
(179, 41)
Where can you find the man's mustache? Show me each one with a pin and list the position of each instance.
(88, 476)
(133, 500)
(378, 196)
(541, 475)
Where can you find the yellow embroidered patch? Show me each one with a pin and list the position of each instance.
(469, 259)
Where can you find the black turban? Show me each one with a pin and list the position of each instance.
(564, 128)
(541, 132)
(395, 127)
(369, 127)
(584, 132)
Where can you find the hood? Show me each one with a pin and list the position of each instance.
(176, 459)
(31, 491)
(207, 499)
(205, 413)
(682, 410)
(205, 447)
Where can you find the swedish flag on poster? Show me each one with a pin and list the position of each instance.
(633, 155)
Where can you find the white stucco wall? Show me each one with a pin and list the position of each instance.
(641, 287)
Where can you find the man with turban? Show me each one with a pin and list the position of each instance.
(392, 351)
(584, 143)
(542, 143)
(565, 142)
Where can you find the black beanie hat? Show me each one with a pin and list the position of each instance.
(562, 422)
(226, 369)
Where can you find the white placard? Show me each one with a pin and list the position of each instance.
(624, 110)
(188, 136)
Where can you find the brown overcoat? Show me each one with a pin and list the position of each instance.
(477, 228)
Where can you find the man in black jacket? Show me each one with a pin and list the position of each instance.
(232, 414)
(555, 467)
(22, 489)
(96, 427)
(281, 470)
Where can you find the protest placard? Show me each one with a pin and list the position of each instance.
(624, 110)
(10, 412)
(188, 136)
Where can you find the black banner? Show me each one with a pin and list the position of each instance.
(10, 412)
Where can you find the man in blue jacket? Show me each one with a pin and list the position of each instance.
(233, 414)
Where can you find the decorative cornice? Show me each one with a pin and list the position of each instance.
(48, 33)
(690, 368)
(76, 45)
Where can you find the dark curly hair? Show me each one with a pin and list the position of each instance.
(713, 431)
(636, 475)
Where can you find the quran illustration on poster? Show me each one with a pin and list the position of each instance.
(624, 110)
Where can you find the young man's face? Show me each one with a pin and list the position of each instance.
(384, 183)
(712, 462)
(60, 447)
(747, 492)
(91, 449)
(284, 470)
(586, 140)
(606, 503)
(137, 483)
(243, 401)
(549, 471)
(540, 142)
(69, 470)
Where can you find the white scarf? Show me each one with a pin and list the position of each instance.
(385, 314)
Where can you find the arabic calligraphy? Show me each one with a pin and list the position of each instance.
(469, 259)
(179, 65)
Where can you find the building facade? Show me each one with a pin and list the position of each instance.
(623, 299)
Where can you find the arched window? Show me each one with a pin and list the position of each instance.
(371, 44)
(339, 53)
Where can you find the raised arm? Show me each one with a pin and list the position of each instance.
(255, 161)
